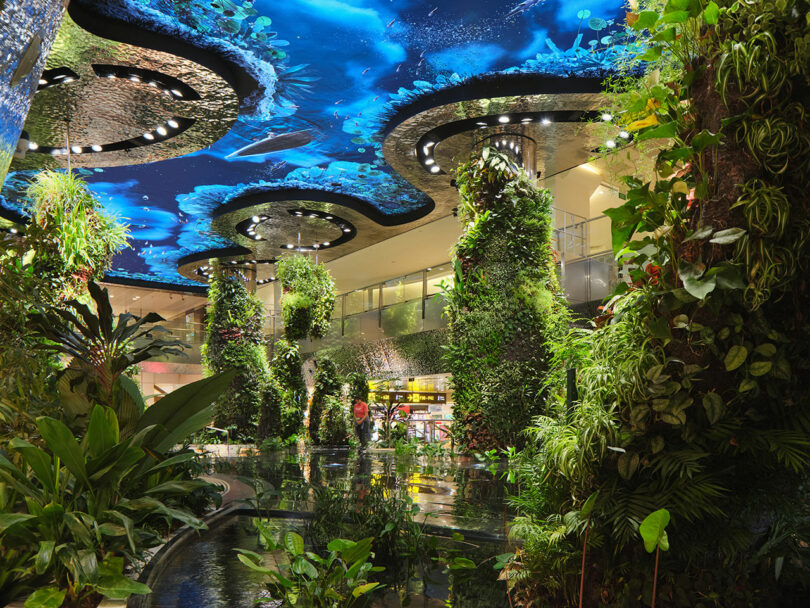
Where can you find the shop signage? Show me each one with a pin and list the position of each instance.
(412, 397)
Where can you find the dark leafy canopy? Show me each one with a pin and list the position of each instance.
(235, 340)
(503, 305)
(693, 386)
(308, 299)
(101, 349)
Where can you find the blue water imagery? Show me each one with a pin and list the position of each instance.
(330, 74)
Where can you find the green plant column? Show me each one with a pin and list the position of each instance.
(358, 386)
(286, 371)
(504, 305)
(308, 298)
(693, 386)
(327, 384)
(234, 339)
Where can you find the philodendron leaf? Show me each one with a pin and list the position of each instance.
(628, 463)
(699, 288)
(653, 530)
(726, 237)
(760, 368)
(713, 404)
(363, 589)
(46, 597)
(294, 543)
(735, 357)
(703, 232)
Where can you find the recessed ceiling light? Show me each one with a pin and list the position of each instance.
(95, 148)
(290, 245)
(429, 161)
(329, 217)
(68, 79)
(503, 119)
(148, 136)
(257, 237)
(152, 83)
(13, 230)
(135, 78)
(255, 219)
(607, 117)
(546, 121)
(43, 81)
(32, 145)
(76, 149)
(313, 215)
(161, 130)
(347, 229)
(176, 93)
(110, 76)
(326, 243)
(428, 268)
(526, 120)
(517, 150)
(610, 143)
(172, 123)
(435, 169)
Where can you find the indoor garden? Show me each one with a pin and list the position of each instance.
(369, 304)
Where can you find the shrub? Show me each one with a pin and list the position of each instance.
(308, 299)
(327, 384)
(335, 428)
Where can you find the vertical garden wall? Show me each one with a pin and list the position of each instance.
(504, 304)
(235, 340)
(693, 386)
(307, 303)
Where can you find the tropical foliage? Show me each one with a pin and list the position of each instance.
(358, 386)
(327, 384)
(308, 298)
(235, 340)
(503, 305)
(292, 391)
(691, 388)
(339, 579)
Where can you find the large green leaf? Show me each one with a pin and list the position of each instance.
(102, 431)
(184, 411)
(39, 461)
(129, 403)
(63, 444)
(46, 597)
(12, 519)
(113, 584)
(293, 543)
(735, 357)
(44, 555)
(653, 530)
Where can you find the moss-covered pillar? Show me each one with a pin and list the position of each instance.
(27, 31)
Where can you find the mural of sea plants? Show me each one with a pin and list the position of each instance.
(692, 386)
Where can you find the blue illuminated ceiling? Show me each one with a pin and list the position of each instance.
(321, 82)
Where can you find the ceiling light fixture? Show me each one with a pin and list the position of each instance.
(624, 135)
(161, 131)
(255, 219)
(42, 81)
(32, 145)
(429, 161)
(503, 119)
(607, 117)
(610, 143)
(173, 123)
(148, 136)
(76, 149)
(96, 148)
(176, 93)
(546, 121)
(435, 169)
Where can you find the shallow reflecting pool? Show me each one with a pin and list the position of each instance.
(457, 491)
(205, 573)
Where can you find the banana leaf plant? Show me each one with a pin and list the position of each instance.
(101, 349)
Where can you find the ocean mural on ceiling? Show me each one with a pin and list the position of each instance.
(328, 74)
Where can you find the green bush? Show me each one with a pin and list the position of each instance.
(327, 384)
(335, 427)
(235, 340)
(308, 299)
(358, 386)
(504, 304)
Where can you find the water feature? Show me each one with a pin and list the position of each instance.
(453, 494)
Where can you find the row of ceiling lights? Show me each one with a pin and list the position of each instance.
(158, 134)
(135, 77)
(51, 81)
(257, 220)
